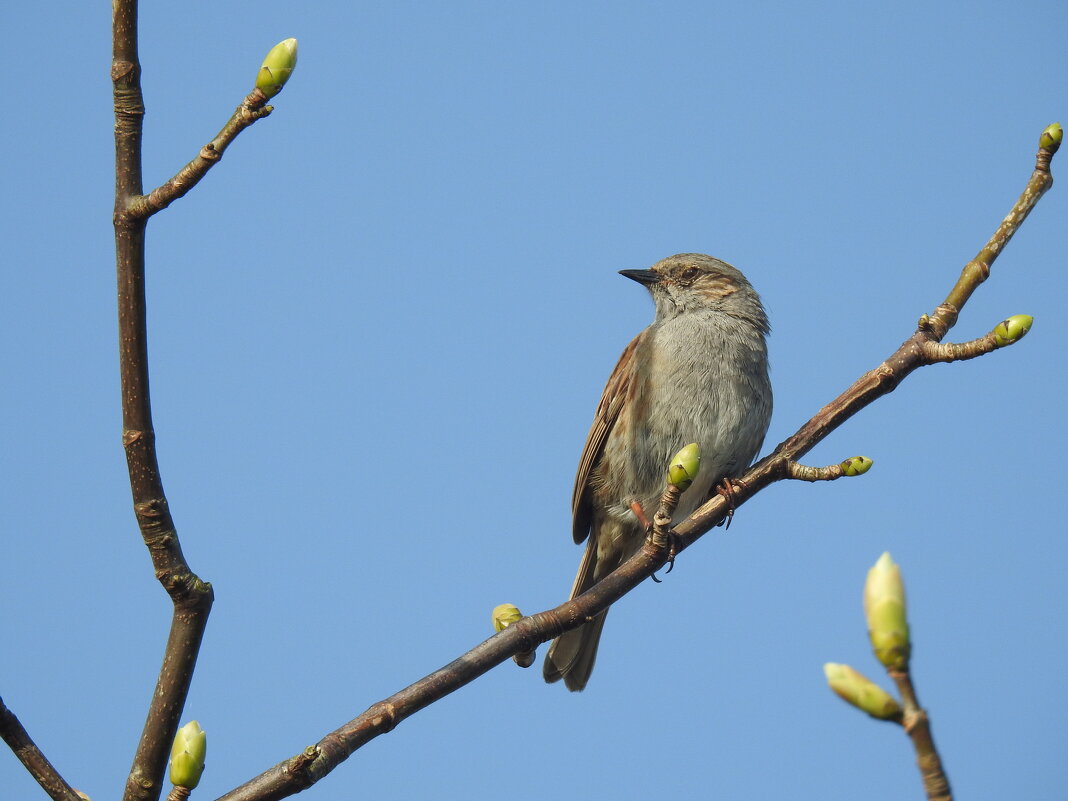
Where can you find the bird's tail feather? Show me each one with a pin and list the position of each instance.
(572, 654)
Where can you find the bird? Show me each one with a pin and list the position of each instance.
(698, 373)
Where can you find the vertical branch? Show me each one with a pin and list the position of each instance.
(129, 105)
(192, 598)
(918, 728)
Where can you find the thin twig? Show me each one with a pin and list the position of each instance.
(918, 727)
(252, 108)
(832, 472)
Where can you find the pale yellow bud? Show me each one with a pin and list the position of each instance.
(884, 608)
(860, 691)
(187, 755)
(505, 615)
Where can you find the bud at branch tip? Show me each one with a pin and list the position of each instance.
(884, 608)
(187, 755)
(860, 691)
(685, 466)
(1051, 137)
(277, 67)
(1012, 329)
(856, 466)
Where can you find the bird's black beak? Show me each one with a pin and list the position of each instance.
(643, 277)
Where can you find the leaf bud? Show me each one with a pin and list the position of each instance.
(504, 616)
(187, 755)
(685, 466)
(1012, 329)
(856, 466)
(1051, 137)
(277, 66)
(860, 691)
(884, 608)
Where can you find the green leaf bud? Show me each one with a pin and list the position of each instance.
(1012, 329)
(277, 67)
(860, 691)
(856, 466)
(504, 616)
(1051, 137)
(884, 608)
(685, 466)
(187, 755)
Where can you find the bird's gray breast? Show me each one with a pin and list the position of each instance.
(708, 383)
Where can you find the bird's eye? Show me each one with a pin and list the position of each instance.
(690, 275)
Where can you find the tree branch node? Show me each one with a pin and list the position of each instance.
(301, 761)
(383, 716)
(151, 510)
(131, 436)
(121, 69)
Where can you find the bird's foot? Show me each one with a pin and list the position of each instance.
(726, 488)
(640, 514)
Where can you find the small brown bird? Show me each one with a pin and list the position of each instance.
(699, 374)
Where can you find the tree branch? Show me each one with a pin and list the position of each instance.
(918, 727)
(306, 768)
(918, 350)
(316, 761)
(191, 597)
(252, 108)
(18, 740)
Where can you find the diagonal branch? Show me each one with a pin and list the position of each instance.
(921, 349)
(252, 108)
(293, 775)
(303, 770)
(18, 740)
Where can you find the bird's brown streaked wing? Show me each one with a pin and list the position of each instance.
(615, 392)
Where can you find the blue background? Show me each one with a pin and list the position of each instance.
(409, 270)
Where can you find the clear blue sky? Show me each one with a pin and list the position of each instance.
(410, 268)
